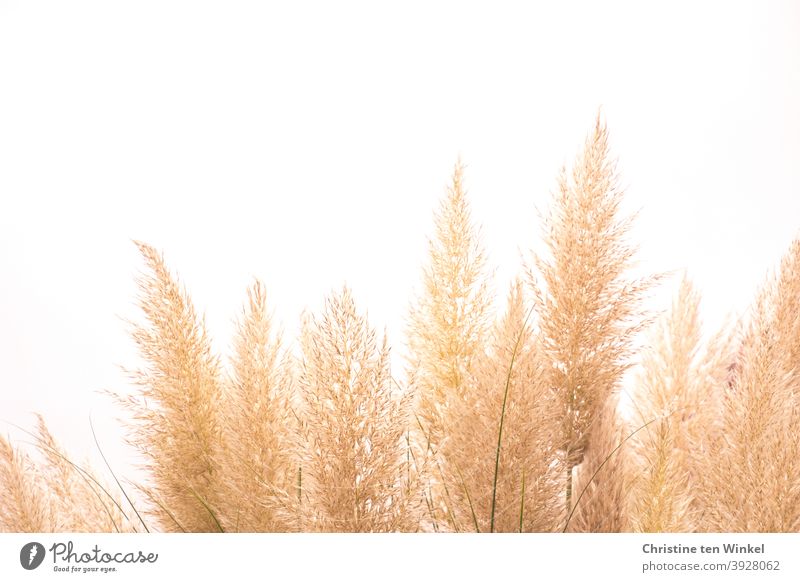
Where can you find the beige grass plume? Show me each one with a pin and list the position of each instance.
(517, 491)
(448, 327)
(753, 472)
(258, 464)
(450, 318)
(53, 494)
(355, 473)
(589, 308)
(176, 424)
(676, 398)
(602, 480)
(24, 503)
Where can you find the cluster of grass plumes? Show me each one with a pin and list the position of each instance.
(500, 452)
(755, 484)
(356, 457)
(49, 492)
(553, 414)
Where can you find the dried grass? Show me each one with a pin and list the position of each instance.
(589, 308)
(448, 328)
(258, 458)
(25, 506)
(53, 494)
(507, 425)
(603, 480)
(177, 426)
(506, 482)
(678, 392)
(356, 473)
(753, 463)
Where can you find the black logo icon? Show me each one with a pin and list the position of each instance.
(31, 555)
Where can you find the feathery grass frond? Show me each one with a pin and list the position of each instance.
(80, 502)
(259, 462)
(355, 469)
(678, 389)
(51, 493)
(521, 469)
(755, 473)
(450, 319)
(602, 481)
(589, 308)
(176, 416)
(25, 507)
(448, 325)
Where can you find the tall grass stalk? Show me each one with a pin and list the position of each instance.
(447, 325)
(176, 428)
(678, 385)
(354, 467)
(753, 483)
(508, 387)
(589, 308)
(259, 456)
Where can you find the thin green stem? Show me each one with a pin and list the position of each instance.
(618, 447)
(208, 509)
(125, 493)
(503, 417)
(469, 500)
(85, 475)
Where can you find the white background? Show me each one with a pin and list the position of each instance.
(369, 557)
(308, 144)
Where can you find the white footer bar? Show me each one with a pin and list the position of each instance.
(402, 557)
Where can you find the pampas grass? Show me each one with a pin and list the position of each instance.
(509, 423)
(677, 396)
(755, 480)
(504, 473)
(449, 321)
(356, 474)
(176, 427)
(589, 306)
(24, 505)
(54, 494)
(258, 456)
(448, 328)
(603, 479)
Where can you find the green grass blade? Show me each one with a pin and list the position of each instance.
(85, 475)
(162, 507)
(503, 417)
(618, 447)
(469, 500)
(208, 509)
(97, 443)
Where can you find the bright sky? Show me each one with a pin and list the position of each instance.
(308, 144)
